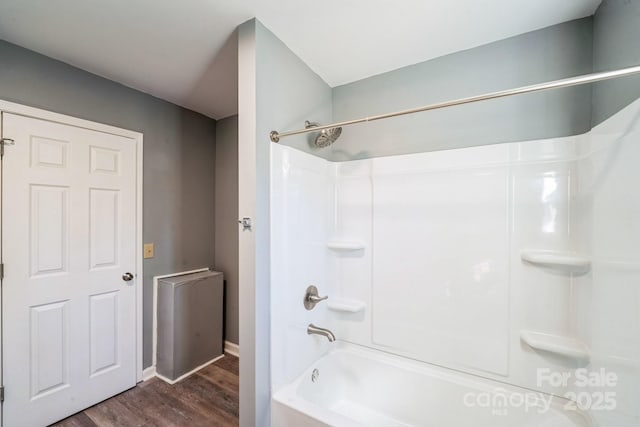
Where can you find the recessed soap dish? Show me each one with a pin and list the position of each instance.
(567, 261)
(346, 305)
(564, 346)
(345, 245)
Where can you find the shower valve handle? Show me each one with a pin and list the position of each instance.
(316, 299)
(311, 298)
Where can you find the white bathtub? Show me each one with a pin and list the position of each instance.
(357, 386)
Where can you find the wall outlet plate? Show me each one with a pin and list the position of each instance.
(148, 250)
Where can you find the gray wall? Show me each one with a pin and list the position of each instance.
(616, 44)
(277, 90)
(226, 219)
(179, 154)
(552, 53)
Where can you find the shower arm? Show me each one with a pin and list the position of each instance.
(275, 136)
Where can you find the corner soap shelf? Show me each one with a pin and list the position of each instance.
(346, 305)
(345, 245)
(564, 346)
(567, 261)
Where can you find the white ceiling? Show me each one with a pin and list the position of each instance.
(185, 52)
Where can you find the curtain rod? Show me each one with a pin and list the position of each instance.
(556, 84)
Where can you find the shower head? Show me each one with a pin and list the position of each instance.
(326, 137)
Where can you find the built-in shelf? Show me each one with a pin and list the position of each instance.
(567, 261)
(565, 346)
(346, 305)
(345, 245)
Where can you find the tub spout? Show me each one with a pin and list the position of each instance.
(314, 330)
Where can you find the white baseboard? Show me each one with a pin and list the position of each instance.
(232, 349)
(229, 348)
(148, 373)
(181, 377)
(151, 372)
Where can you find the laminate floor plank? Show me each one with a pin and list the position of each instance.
(230, 363)
(198, 412)
(112, 413)
(154, 409)
(78, 420)
(223, 378)
(205, 399)
(228, 401)
(137, 401)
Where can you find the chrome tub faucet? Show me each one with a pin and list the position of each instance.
(314, 330)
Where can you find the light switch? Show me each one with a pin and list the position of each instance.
(148, 250)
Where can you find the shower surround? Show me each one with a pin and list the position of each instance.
(503, 266)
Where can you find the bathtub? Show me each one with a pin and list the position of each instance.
(356, 386)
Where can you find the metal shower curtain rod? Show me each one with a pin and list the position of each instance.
(556, 84)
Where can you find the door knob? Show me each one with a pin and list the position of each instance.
(127, 277)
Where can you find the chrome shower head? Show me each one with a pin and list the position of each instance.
(326, 137)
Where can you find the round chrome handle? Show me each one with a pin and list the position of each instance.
(127, 277)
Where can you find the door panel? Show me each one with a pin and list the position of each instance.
(104, 214)
(69, 232)
(48, 153)
(49, 348)
(104, 332)
(48, 229)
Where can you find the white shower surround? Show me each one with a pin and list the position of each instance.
(440, 274)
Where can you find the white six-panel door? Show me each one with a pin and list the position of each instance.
(69, 236)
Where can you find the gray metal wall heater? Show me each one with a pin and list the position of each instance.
(190, 318)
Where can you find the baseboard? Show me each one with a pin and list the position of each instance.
(181, 377)
(148, 373)
(232, 349)
(151, 372)
(229, 348)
